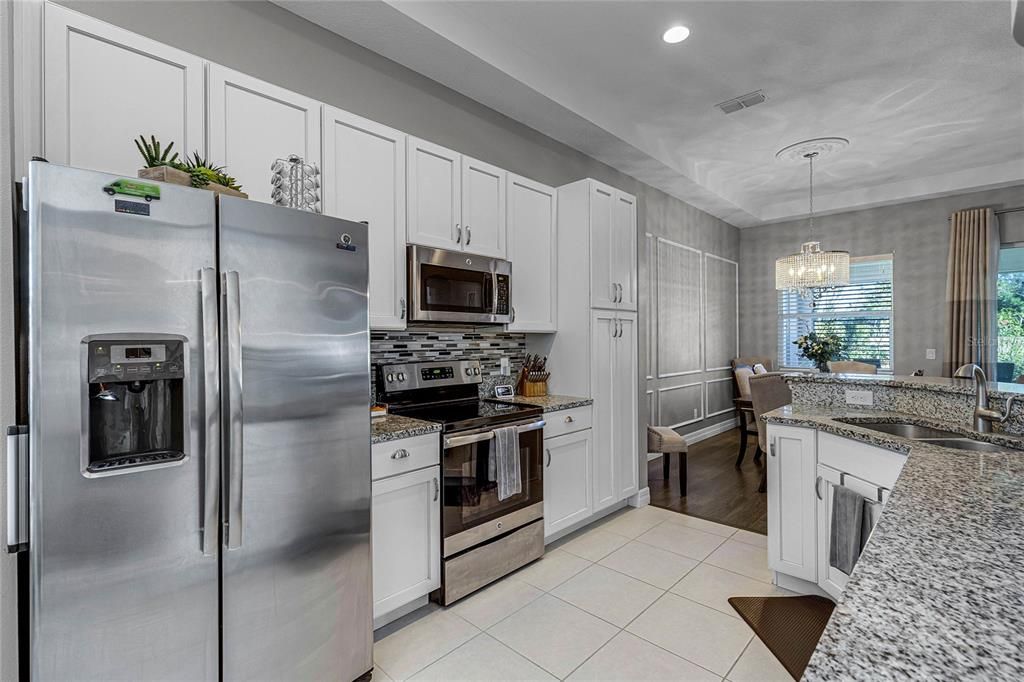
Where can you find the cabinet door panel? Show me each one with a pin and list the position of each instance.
(483, 208)
(624, 249)
(533, 239)
(602, 205)
(567, 480)
(106, 86)
(624, 425)
(406, 539)
(792, 526)
(252, 123)
(434, 195)
(364, 181)
(605, 471)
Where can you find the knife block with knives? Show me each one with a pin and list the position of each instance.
(533, 377)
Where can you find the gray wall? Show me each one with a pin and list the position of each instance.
(267, 42)
(916, 233)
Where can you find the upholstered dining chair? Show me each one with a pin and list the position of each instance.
(767, 392)
(742, 370)
(851, 367)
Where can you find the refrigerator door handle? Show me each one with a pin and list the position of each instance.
(17, 488)
(211, 407)
(233, 337)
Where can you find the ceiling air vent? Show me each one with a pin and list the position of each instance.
(742, 102)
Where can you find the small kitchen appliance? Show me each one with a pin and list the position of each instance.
(452, 286)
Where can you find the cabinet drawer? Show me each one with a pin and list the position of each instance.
(566, 421)
(867, 462)
(408, 454)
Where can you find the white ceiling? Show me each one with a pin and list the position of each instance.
(930, 94)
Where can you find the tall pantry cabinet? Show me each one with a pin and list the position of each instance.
(594, 352)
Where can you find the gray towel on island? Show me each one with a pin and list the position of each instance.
(847, 529)
(503, 465)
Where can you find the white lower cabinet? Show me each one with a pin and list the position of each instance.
(406, 537)
(792, 530)
(804, 469)
(567, 480)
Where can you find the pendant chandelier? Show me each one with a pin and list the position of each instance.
(812, 269)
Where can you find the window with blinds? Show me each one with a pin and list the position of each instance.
(860, 313)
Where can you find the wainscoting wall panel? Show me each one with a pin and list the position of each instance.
(721, 312)
(678, 294)
(681, 405)
(718, 394)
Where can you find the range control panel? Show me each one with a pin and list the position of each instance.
(112, 361)
(413, 375)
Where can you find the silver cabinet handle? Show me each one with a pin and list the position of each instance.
(771, 448)
(233, 400)
(17, 488)
(469, 234)
(622, 294)
(458, 234)
(817, 487)
(548, 450)
(211, 408)
(401, 302)
(401, 453)
(437, 489)
(512, 321)
(569, 419)
(618, 292)
(615, 292)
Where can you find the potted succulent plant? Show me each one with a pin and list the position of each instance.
(196, 171)
(820, 348)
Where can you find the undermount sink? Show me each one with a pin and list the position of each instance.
(967, 444)
(904, 430)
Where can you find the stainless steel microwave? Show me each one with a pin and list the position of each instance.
(451, 286)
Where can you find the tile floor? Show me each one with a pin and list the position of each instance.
(641, 595)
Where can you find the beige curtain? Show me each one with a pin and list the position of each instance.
(971, 290)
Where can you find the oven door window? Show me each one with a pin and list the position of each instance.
(470, 498)
(453, 290)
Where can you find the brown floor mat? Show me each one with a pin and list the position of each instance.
(789, 626)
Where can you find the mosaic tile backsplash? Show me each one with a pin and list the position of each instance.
(435, 346)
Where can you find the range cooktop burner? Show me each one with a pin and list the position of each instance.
(461, 416)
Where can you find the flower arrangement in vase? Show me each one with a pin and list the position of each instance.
(820, 348)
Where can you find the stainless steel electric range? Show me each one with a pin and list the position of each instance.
(484, 538)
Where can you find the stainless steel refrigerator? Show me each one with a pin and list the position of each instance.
(192, 487)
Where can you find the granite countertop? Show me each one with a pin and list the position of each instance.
(945, 384)
(939, 589)
(395, 427)
(550, 403)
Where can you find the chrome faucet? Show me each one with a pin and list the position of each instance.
(983, 414)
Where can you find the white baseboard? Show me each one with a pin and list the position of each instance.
(641, 499)
(703, 434)
(405, 610)
(798, 585)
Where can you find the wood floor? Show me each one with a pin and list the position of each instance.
(717, 490)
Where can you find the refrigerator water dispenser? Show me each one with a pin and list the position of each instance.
(134, 414)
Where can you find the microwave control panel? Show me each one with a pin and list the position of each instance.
(502, 297)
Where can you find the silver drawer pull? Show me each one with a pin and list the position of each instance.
(437, 489)
(401, 453)
(548, 451)
(569, 419)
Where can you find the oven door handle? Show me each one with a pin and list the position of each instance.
(455, 441)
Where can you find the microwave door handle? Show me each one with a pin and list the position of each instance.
(233, 334)
(494, 292)
(211, 408)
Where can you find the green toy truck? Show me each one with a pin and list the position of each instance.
(134, 188)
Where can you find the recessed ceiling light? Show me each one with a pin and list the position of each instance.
(676, 34)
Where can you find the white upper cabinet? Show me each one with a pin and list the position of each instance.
(603, 292)
(105, 86)
(455, 202)
(252, 123)
(483, 208)
(533, 250)
(364, 181)
(435, 196)
(623, 260)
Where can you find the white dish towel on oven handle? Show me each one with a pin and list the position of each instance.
(503, 466)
